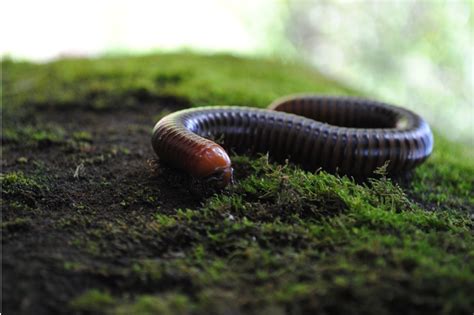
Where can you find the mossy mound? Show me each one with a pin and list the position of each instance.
(92, 223)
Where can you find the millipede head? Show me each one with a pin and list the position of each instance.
(221, 177)
(212, 164)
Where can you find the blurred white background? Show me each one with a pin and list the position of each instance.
(418, 54)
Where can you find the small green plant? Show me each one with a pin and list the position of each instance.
(389, 193)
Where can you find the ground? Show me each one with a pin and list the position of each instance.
(92, 223)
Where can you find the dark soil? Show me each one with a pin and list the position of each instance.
(119, 171)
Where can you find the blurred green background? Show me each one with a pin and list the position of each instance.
(418, 54)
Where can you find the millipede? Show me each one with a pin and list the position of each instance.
(344, 135)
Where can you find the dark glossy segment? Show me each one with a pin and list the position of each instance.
(345, 135)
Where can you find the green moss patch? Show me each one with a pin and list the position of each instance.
(132, 82)
(92, 223)
(93, 301)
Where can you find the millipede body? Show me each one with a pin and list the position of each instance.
(339, 134)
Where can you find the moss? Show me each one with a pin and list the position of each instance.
(82, 136)
(125, 82)
(164, 221)
(447, 179)
(148, 305)
(93, 300)
(31, 135)
(267, 235)
(18, 224)
(280, 240)
(73, 265)
(18, 182)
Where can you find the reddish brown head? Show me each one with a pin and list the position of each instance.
(212, 163)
